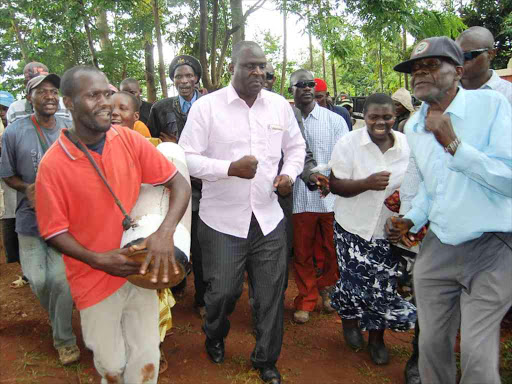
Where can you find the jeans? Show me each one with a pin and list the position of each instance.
(44, 269)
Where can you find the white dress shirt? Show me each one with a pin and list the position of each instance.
(220, 129)
(356, 157)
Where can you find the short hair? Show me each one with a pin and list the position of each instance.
(378, 98)
(35, 64)
(133, 99)
(129, 80)
(67, 81)
(297, 73)
(241, 46)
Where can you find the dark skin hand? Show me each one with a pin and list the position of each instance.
(321, 182)
(15, 182)
(397, 227)
(283, 185)
(350, 188)
(441, 126)
(244, 168)
(160, 244)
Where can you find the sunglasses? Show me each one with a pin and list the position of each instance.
(470, 55)
(269, 76)
(305, 84)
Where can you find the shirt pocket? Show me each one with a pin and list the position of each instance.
(274, 143)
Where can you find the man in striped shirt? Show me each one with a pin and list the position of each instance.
(313, 215)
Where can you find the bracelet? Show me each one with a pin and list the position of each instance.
(452, 147)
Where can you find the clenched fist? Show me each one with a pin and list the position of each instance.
(244, 168)
(378, 181)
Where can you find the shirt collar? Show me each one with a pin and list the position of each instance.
(183, 101)
(366, 140)
(315, 112)
(492, 83)
(72, 151)
(233, 95)
(457, 108)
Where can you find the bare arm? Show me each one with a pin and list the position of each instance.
(350, 188)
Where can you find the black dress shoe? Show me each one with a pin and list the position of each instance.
(412, 372)
(354, 338)
(270, 374)
(215, 349)
(378, 353)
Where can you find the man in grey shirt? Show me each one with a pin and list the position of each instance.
(23, 145)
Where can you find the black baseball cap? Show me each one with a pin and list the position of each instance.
(440, 46)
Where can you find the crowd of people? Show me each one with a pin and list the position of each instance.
(270, 184)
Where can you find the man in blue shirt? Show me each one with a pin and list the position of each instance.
(460, 141)
(166, 121)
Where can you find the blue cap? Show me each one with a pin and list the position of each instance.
(6, 99)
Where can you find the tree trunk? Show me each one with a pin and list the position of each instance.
(103, 30)
(283, 72)
(238, 19)
(381, 79)
(323, 63)
(213, 54)
(311, 65)
(334, 87)
(149, 63)
(404, 49)
(203, 43)
(161, 64)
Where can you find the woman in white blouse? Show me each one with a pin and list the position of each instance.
(368, 166)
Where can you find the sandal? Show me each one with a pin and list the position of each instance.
(20, 282)
(163, 362)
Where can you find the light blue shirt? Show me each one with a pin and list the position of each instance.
(465, 195)
(185, 105)
(322, 130)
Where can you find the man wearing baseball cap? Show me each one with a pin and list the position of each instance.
(6, 99)
(22, 108)
(460, 142)
(23, 145)
(322, 98)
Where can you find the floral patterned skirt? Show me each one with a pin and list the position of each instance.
(367, 288)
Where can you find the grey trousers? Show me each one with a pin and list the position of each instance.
(225, 259)
(467, 285)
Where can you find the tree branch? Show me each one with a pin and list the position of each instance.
(257, 5)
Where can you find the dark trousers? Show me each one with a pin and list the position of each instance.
(10, 239)
(286, 204)
(197, 262)
(225, 259)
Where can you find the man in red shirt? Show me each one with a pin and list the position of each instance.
(78, 216)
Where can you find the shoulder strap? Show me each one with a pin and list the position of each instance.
(127, 221)
(40, 134)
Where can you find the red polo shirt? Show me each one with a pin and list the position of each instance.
(70, 196)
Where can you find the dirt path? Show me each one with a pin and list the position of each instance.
(312, 353)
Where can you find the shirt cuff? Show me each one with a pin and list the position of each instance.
(290, 172)
(221, 168)
(418, 218)
(464, 156)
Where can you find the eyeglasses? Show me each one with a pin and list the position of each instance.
(269, 76)
(470, 55)
(429, 64)
(305, 84)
